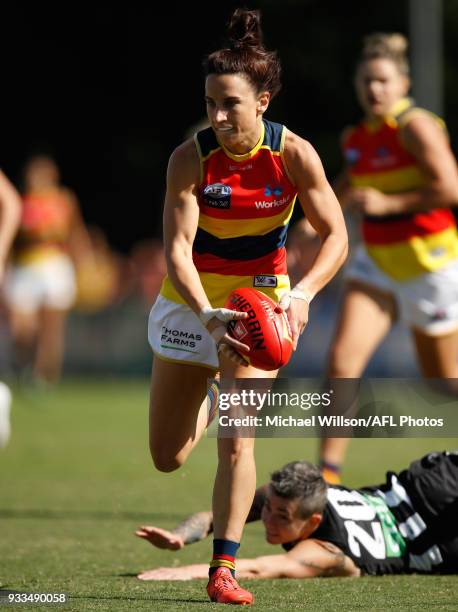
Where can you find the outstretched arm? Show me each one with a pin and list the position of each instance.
(195, 527)
(308, 559)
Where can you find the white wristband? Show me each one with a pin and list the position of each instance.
(205, 315)
(223, 314)
(299, 294)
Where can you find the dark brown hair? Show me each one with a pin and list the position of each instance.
(245, 54)
(303, 481)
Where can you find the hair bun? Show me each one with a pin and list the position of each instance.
(381, 43)
(244, 29)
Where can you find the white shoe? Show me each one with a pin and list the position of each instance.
(5, 406)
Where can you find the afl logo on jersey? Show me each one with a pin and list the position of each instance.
(217, 195)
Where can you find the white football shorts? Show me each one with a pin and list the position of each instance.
(176, 334)
(428, 302)
(49, 282)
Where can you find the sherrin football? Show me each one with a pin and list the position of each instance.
(266, 330)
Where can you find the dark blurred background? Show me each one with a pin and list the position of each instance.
(109, 92)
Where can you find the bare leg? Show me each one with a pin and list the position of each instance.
(235, 484)
(366, 317)
(437, 355)
(178, 411)
(50, 345)
(235, 481)
(24, 327)
(5, 407)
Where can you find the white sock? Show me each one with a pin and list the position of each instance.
(5, 406)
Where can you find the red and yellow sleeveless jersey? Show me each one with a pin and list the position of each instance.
(246, 202)
(402, 245)
(45, 225)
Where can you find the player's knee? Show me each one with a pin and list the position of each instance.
(232, 450)
(165, 464)
(24, 334)
(165, 461)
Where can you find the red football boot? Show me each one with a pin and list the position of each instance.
(223, 588)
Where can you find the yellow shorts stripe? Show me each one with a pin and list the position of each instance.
(218, 286)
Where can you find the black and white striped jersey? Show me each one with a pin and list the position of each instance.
(408, 524)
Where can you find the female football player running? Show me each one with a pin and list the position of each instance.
(230, 195)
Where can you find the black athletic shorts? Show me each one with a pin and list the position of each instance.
(432, 485)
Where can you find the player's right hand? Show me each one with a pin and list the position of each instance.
(216, 320)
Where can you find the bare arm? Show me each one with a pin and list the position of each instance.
(342, 188)
(181, 215)
(195, 527)
(309, 559)
(198, 526)
(10, 214)
(322, 209)
(429, 145)
(301, 249)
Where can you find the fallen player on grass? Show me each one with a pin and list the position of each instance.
(407, 525)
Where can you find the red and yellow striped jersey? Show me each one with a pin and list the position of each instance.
(403, 245)
(45, 225)
(246, 202)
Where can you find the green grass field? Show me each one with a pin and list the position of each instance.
(76, 480)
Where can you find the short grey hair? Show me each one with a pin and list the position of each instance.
(303, 481)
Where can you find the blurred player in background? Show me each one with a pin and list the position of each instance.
(102, 278)
(149, 267)
(40, 285)
(402, 177)
(10, 212)
(217, 240)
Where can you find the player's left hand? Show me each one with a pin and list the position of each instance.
(161, 538)
(370, 201)
(297, 311)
